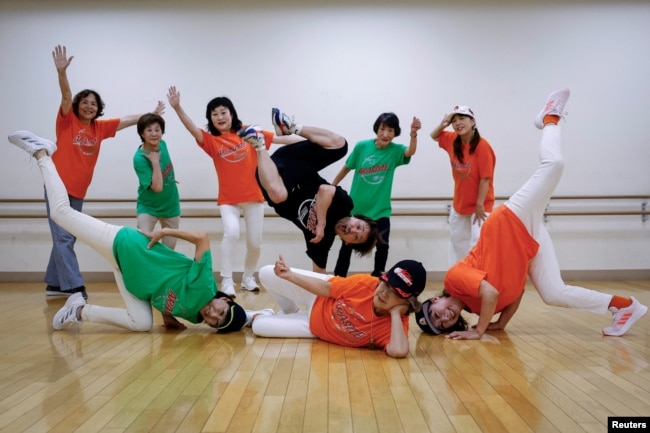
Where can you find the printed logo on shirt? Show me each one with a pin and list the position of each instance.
(233, 152)
(461, 169)
(87, 145)
(371, 172)
(170, 302)
(169, 169)
(346, 321)
(307, 214)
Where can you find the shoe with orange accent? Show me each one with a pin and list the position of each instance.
(554, 105)
(624, 318)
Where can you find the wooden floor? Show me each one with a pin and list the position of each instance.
(551, 371)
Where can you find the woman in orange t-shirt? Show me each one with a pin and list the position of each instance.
(514, 244)
(79, 135)
(356, 311)
(235, 164)
(472, 167)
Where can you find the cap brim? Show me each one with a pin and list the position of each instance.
(229, 318)
(427, 317)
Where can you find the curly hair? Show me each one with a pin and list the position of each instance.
(79, 96)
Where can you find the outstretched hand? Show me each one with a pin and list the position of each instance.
(174, 97)
(160, 108)
(61, 60)
(464, 335)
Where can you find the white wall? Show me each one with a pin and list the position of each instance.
(338, 65)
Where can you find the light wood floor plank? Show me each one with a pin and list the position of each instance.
(550, 372)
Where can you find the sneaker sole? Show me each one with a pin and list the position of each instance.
(57, 294)
(276, 119)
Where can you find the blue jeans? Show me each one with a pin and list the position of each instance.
(63, 267)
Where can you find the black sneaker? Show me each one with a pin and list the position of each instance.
(56, 291)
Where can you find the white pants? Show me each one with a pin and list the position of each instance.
(147, 223)
(529, 204)
(254, 219)
(99, 236)
(291, 322)
(463, 235)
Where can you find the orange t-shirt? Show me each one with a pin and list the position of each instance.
(235, 162)
(346, 316)
(467, 175)
(501, 257)
(78, 148)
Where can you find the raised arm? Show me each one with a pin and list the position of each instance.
(413, 144)
(313, 285)
(446, 121)
(61, 62)
(174, 98)
(132, 119)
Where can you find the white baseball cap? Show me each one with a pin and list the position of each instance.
(462, 109)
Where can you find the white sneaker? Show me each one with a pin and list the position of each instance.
(283, 123)
(554, 105)
(66, 317)
(249, 283)
(252, 314)
(228, 287)
(31, 143)
(624, 318)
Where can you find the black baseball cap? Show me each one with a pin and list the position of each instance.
(407, 277)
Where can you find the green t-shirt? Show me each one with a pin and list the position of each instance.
(372, 183)
(172, 282)
(163, 204)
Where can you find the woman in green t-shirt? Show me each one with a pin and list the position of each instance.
(148, 273)
(158, 199)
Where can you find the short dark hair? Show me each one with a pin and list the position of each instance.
(366, 247)
(79, 96)
(389, 119)
(149, 119)
(222, 101)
